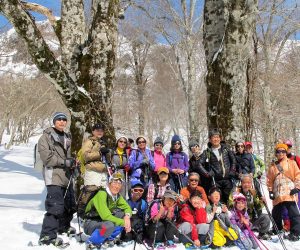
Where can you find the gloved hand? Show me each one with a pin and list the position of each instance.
(232, 175)
(145, 161)
(104, 150)
(259, 174)
(271, 195)
(127, 168)
(294, 191)
(70, 162)
(210, 174)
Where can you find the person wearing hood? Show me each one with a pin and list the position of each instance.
(158, 154)
(218, 164)
(139, 207)
(54, 147)
(178, 164)
(141, 161)
(107, 214)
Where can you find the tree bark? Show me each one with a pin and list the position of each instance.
(228, 30)
(84, 78)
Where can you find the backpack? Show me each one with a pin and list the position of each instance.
(148, 211)
(38, 163)
(86, 194)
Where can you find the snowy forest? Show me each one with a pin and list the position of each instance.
(152, 67)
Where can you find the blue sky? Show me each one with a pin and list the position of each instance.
(54, 5)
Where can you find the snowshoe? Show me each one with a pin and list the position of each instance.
(159, 246)
(291, 237)
(190, 246)
(264, 236)
(90, 246)
(71, 231)
(57, 242)
(170, 244)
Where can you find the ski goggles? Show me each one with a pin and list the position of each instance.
(137, 190)
(240, 200)
(116, 177)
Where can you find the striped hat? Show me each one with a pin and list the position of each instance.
(59, 115)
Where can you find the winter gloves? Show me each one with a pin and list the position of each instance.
(69, 162)
(271, 195)
(294, 191)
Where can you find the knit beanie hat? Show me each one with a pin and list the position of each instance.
(281, 145)
(98, 126)
(288, 143)
(59, 115)
(116, 176)
(175, 139)
(158, 140)
(213, 132)
(193, 143)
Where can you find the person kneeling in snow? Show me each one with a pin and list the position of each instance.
(221, 231)
(193, 220)
(107, 214)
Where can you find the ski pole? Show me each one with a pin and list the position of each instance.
(155, 234)
(126, 185)
(273, 221)
(179, 231)
(255, 238)
(68, 186)
(295, 200)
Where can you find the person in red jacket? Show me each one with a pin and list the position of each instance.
(193, 220)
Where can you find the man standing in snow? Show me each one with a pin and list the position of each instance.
(54, 147)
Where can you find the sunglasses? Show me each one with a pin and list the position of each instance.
(140, 142)
(137, 190)
(123, 141)
(240, 146)
(61, 119)
(158, 145)
(281, 151)
(163, 173)
(193, 180)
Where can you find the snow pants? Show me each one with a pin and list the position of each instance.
(293, 214)
(59, 210)
(285, 214)
(261, 224)
(161, 231)
(186, 228)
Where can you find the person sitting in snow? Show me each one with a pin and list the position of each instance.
(240, 217)
(139, 209)
(220, 231)
(107, 214)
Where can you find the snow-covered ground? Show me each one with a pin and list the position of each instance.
(22, 195)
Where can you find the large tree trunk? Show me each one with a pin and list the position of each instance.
(84, 78)
(228, 31)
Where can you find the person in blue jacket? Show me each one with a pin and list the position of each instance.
(141, 161)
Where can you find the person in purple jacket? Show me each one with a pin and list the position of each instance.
(141, 162)
(178, 164)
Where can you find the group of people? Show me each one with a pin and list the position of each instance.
(133, 193)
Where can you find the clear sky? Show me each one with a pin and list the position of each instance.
(54, 5)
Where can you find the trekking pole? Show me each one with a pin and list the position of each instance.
(214, 183)
(155, 234)
(273, 221)
(126, 185)
(68, 186)
(139, 239)
(179, 231)
(180, 182)
(295, 200)
(255, 238)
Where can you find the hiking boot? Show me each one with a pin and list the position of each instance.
(68, 231)
(291, 237)
(170, 244)
(46, 240)
(264, 236)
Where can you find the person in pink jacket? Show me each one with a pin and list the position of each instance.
(158, 154)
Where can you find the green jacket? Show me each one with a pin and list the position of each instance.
(254, 204)
(104, 205)
(259, 165)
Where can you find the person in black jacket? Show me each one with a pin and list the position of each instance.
(218, 164)
(244, 161)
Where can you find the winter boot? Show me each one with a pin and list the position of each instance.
(264, 236)
(286, 225)
(46, 240)
(291, 237)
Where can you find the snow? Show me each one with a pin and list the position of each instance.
(22, 194)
